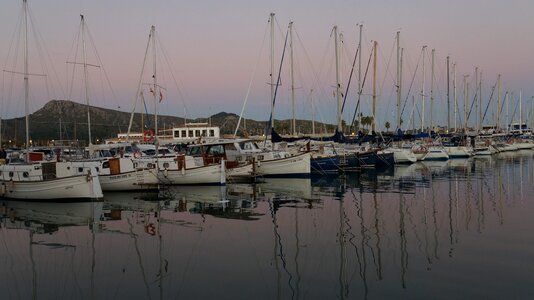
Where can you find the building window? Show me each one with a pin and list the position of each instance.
(184, 134)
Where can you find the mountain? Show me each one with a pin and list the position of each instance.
(67, 120)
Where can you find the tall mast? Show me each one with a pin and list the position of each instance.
(359, 75)
(271, 75)
(373, 124)
(294, 126)
(499, 101)
(476, 99)
(466, 97)
(448, 97)
(432, 91)
(85, 74)
(455, 96)
(398, 82)
(26, 80)
(155, 82)
(506, 99)
(338, 79)
(313, 112)
(520, 115)
(480, 101)
(423, 94)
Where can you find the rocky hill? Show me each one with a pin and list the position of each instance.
(67, 120)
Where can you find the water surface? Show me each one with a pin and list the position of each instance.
(440, 230)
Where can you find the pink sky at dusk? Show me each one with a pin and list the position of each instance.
(215, 45)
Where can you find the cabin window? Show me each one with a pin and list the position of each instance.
(97, 169)
(134, 165)
(10, 174)
(166, 165)
(212, 132)
(176, 133)
(80, 170)
(25, 174)
(184, 134)
(216, 150)
(197, 133)
(260, 157)
(151, 166)
(194, 151)
(105, 165)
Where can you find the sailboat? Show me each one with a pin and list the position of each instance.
(115, 173)
(40, 179)
(174, 169)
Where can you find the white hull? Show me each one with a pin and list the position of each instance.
(458, 152)
(143, 179)
(403, 156)
(120, 174)
(482, 151)
(75, 187)
(524, 146)
(436, 154)
(245, 172)
(420, 156)
(298, 165)
(211, 174)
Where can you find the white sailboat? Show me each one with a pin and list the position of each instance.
(115, 173)
(174, 169)
(43, 180)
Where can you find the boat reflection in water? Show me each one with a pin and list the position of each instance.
(388, 234)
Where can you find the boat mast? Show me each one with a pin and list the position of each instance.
(423, 94)
(520, 115)
(293, 125)
(86, 89)
(432, 91)
(313, 112)
(499, 103)
(448, 98)
(455, 96)
(373, 124)
(466, 96)
(338, 84)
(480, 101)
(506, 106)
(398, 82)
(271, 20)
(476, 99)
(359, 76)
(155, 83)
(26, 80)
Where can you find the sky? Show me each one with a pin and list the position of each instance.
(217, 53)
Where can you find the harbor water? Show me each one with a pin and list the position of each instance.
(457, 229)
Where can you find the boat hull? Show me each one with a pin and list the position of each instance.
(294, 166)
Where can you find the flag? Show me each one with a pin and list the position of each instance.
(160, 96)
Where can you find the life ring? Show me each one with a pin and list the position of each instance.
(137, 154)
(150, 229)
(148, 136)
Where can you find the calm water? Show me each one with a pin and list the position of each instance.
(447, 230)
